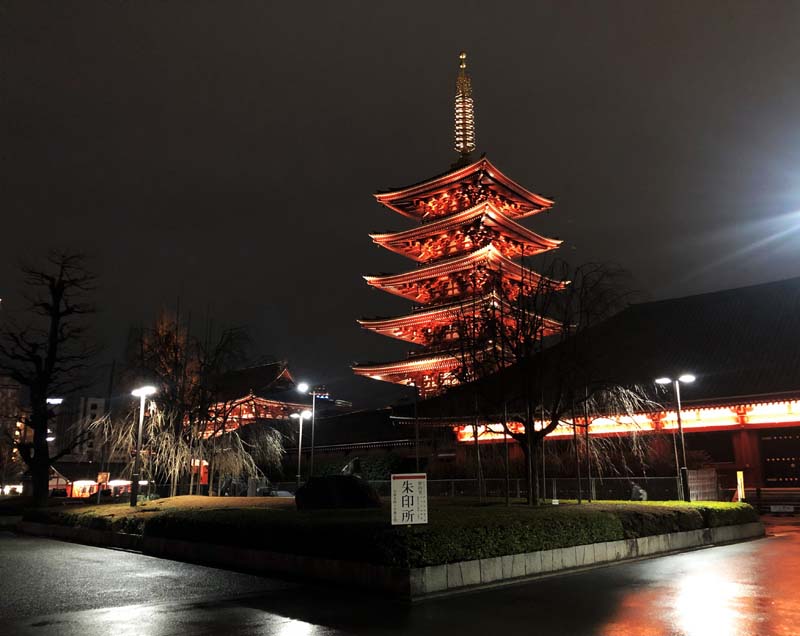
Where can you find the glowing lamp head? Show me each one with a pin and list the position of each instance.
(687, 378)
(303, 387)
(55, 401)
(303, 415)
(663, 380)
(144, 391)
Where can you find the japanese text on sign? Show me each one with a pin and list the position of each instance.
(409, 499)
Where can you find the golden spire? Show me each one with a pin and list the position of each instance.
(465, 111)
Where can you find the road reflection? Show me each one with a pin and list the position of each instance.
(749, 593)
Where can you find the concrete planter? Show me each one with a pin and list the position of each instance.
(409, 584)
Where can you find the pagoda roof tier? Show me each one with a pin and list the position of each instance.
(420, 327)
(462, 188)
(415, 371)
(455, 234)
(442, 280)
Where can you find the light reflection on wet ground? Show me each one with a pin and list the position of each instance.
(738, 590)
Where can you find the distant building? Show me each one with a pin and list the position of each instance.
(73, 430)
(11, 429)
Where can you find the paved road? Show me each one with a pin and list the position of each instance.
(48, 587)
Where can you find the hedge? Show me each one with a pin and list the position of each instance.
(455, 532)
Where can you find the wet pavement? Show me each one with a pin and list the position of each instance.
(753, 588)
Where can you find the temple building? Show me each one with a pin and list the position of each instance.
(467, 245)
(259, 394)
(742, 411)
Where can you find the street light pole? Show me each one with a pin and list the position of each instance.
(300, 417)
(684, 467)
(303, 387)
(682, 470)
(413, 385)
(142, 394)
(313, 423)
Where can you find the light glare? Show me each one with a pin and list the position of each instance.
(303, 387)
(687, 378)
(663, 380)
(144, 391)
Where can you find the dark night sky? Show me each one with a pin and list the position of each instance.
(225, 152)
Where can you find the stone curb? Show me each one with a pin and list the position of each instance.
(408, 584)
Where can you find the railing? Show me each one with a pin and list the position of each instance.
(605, 488)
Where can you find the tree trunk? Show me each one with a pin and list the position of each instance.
(40, 464)
(479, 470)
(191, 474)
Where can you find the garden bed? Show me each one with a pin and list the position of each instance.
(458, 530)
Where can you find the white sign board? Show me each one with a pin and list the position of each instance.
(740, 485)
(781, 508)
(409, 499)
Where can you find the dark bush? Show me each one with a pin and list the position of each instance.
(456, 532)
(335, 492)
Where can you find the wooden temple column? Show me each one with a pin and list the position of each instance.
(747, 456)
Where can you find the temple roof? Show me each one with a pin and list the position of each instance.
(403, 371)
(271, 381)
(411, 242)
(489, 256)
(741, 344)
(415, 326)
(404, 200)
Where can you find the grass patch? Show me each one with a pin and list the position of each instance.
(459, 530)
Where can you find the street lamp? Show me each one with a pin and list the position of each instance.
(303, 387)
(142, 393)
(303, 415)
(686, 378)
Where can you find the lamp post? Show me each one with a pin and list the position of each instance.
(686, 378)
(304, 415)
(413, 385)
(303, 388)
(142, 393)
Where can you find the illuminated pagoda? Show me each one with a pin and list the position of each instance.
(467, 247)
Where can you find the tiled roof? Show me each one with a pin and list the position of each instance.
(271, 381)
(741, 344)
(738, 342)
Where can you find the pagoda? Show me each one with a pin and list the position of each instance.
(467, 246)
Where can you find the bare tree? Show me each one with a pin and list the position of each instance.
(194, 420)
(45, 347)
(534, 348)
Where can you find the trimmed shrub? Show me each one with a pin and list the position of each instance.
(456, 532)
(335, 492)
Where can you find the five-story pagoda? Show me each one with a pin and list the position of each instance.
(467, 247)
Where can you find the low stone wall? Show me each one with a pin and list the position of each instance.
(414, 583)
(440, 579)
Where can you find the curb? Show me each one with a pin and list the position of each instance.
(408, 584)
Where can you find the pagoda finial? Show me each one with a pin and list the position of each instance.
(464, 111)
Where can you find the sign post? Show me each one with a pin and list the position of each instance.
(740, 484)
(409, 499)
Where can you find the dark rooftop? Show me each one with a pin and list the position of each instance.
(738, 342)
(741, 344)
(270, 381)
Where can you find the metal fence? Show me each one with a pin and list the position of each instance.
(603, 488)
